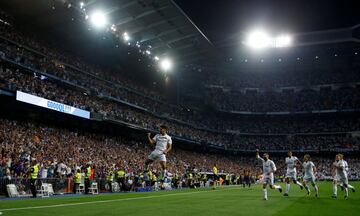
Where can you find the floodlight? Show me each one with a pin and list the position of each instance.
(98, 19)
(126, 37)
(283, 41)
(258, 40)
(113, 28)
(165, 65)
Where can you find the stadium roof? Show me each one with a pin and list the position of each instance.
(161, 23)
(170, 32)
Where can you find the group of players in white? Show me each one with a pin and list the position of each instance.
(340, 178)
(163, 144)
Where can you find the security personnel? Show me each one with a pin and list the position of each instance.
(227, 179)
(215, 176)
(175, 180)
(190, 180)
(237, 179)
(33, 173)
(110, 179)
(121, 178)
(77, 180)
(204, 179)
(153, 179)
(87, 179)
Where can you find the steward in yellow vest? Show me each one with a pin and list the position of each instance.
(33, 173)
(77, 180)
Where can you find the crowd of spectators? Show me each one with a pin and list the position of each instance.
(60, 152)
(81, 85)
(17, 79)
(270, 101)
(331, 72)
(101, 82)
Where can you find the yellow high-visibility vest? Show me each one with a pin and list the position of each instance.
(110, 176)
(34, 172)
(78, 178)
(121, 174)
(88, 173)
(215, 170)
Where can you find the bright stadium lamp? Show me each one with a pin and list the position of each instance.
(283, 41)
(113, 28)
(98, 19)
(165, 65)
(126, 37)
(258, 40)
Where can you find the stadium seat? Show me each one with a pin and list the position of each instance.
(115, 187)
(81, 188)
(12, 190)
(94, 188)
(45, 190)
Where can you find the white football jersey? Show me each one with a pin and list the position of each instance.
(308, 168)
(291, 163)
(162, 141)
(268, 166)
(340, 168)
(346, 166)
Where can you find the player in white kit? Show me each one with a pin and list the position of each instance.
(163, 144)
(268, 173)
(309, 176)
(340, 176)
(347, 172)
(291, 172)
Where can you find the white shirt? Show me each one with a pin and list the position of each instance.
(291, 162)
(340, 168)
(268, 166)
(162, 141)
(308, 168)
(346, 166)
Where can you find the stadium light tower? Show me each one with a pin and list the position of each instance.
(258, 39)
(126, 37)
(165, 65)
(283, 41)
(98, 19)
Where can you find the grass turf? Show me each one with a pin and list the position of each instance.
(233, 200)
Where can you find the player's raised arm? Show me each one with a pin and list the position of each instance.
(150, 140)
(258, 156)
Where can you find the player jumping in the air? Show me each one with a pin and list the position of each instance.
(309, 170)
(340, 176)
(347, 172)
(163, 145)
(268, 173)
(291, 172)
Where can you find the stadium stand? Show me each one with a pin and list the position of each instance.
(245, 118)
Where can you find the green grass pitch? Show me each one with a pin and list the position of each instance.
(233, 200)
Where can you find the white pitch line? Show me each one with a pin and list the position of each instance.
(113, 200)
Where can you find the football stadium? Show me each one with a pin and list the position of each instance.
(179, 107)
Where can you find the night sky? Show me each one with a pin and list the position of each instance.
(219, 19)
